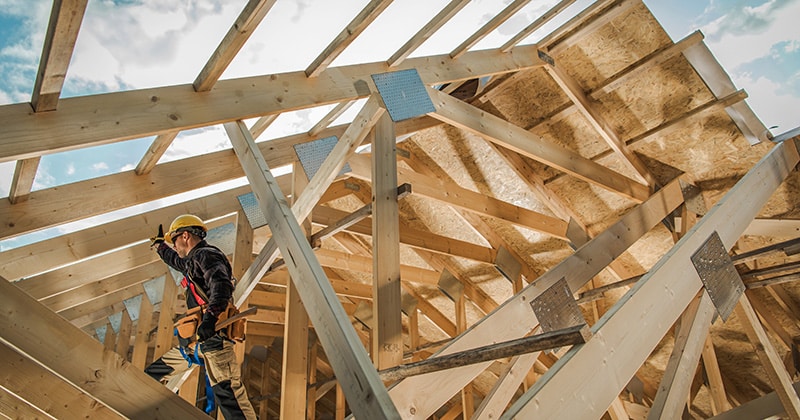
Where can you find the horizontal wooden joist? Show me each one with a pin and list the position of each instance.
(414, 238)
(452, 194)
(98, 119)
(55, 252)
(65, 203)
(86, 271)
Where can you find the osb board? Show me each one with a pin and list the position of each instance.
(606, 51)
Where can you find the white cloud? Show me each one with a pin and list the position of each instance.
(196, 142)
(100, 166)
(150, 43)
(735, 40)
(71, 169)
(773, 106)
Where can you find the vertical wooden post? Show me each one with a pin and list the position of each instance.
(387, 341)
(295, 340)
(110, 340)
(311, 405)
(124, 336)
(165, 334)
(140, 343)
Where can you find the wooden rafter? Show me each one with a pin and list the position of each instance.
(486, 29)
(22, 182)
(35, 384)
(427, 31)
(230, 100)
(332, 115)
(251, 15)
(62, 33)
(690, 339)
(741, 203)
(577, 269)
(356, 133)
(574, 91)
(494, 129)
(117, 384)
(536, 24)
(353, 29)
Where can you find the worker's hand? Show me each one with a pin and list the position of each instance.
(207, 328)
(159, 238)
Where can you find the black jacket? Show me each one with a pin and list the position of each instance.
(210, 270)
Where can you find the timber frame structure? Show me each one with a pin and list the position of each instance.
(426, 265)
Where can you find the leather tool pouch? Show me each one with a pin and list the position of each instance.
(234, 331)
(187, 326)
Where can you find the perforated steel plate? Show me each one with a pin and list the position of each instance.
(507, 265)
(223, 237)
(155, 289)
(693, 198)
(133, 305)
(116, 321)
(408, 303)
(404, 94)
(716, 271)
(313, 153)
(250, 207)
(450, 286)
(556, 309)
(101, 332)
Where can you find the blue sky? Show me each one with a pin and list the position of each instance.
(132, 44)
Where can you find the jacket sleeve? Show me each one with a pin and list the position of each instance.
(171, 257)
(218, 277)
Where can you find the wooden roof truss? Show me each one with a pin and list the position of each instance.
(62, 288)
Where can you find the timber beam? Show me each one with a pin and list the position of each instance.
(656, 301)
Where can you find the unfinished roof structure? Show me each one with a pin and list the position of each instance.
(590, 224)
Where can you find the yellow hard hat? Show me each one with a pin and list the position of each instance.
(185, 222)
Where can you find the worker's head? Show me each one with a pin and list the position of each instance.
(186, 231)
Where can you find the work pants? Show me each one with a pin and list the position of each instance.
(223, 372)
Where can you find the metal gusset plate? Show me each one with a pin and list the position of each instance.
(720, 278)
(223, 237)
(450, 285)
(693, 197)
(313, 153)
(132, 305)
(155, 289)
(403, 94)
(116, 321)
(556, 309)
(251, 210)
(507, 264)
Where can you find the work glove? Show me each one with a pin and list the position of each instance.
(159, 238)
(207, 327)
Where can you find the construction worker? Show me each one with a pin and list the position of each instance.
(208, 279)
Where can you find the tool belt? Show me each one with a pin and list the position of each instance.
(187, 325)
(234, 330)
